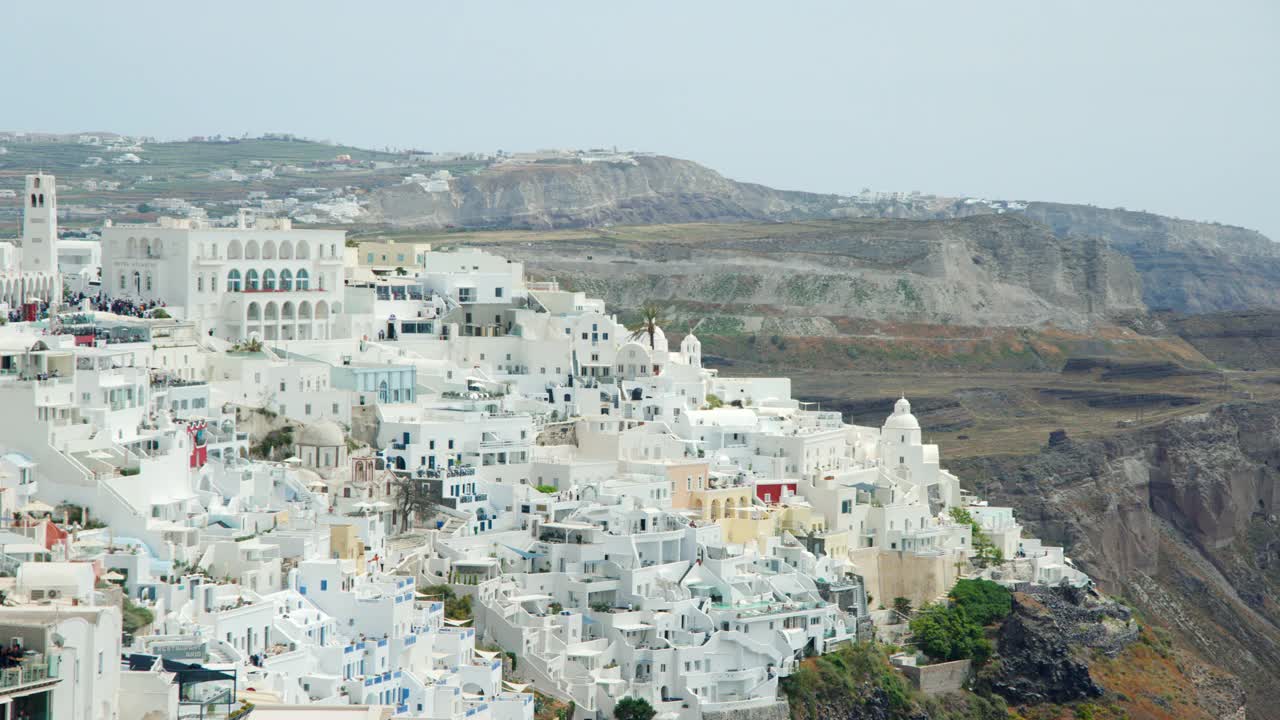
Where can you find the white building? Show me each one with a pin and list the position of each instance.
(265, 280)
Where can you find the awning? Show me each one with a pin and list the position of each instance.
(527, 555)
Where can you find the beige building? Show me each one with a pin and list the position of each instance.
(385, 257)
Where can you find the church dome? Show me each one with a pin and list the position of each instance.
(902, 419)
(659, 340)
(325, 433)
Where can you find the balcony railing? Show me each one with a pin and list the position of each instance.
(29, 671)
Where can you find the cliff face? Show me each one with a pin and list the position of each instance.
(655, 189)
(1185, 266)
(994, 270)
(1180, 518)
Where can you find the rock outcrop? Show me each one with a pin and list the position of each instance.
(1045, 645)
(1180, 518)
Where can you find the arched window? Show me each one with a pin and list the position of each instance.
(33, 199)
(286, 280)
(302, 251)
(251, 280)
(137, 281)
(233, 281)
(286, 250)
(41, 199)
(303, 279)
(269, 250)
(234, 250)
(251, 250)
(269, 280)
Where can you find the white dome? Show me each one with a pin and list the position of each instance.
(325, 433)
(659, 340)
(902, 419)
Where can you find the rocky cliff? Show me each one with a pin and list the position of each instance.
(1185, 266)
(1180, 518)
(652, 189)
(994, 270)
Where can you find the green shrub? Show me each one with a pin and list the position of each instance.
(948, 633)
(983, 601)
(633, 708)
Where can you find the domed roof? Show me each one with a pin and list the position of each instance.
(659, 340)
(690, 340)
(902, 419)
(325, 433)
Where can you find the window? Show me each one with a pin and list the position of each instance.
(233, 281)
(200, 283)
(497, 292)
(324, 585)
(306, 409)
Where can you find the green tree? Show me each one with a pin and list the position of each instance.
(401, 271)
(633, 708)
(902, 606)
(985, 553)
(948, 633)
(983, 601)
(651, 318)
(714, 401)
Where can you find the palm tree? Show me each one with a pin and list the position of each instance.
(651, 317)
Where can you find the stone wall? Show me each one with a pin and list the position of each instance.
(888, 574)
(940, 678)
(779, 710)
(559, 434)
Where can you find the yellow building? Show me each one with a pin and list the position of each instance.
(387, 256)
(344, 544)
(686, 479)
(718, 503)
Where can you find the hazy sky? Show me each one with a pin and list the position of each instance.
(1166, 106)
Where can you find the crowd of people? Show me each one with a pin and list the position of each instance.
(119, 306)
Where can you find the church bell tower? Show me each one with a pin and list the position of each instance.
(40, 225)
